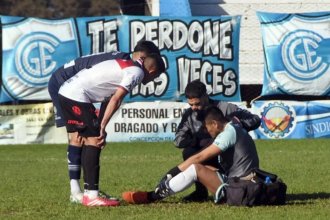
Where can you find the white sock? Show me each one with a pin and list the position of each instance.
(184, 179)
(75, 186)
(92, 194)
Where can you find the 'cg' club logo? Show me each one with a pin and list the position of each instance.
(33, 58)
(300, 55)
(34, 49)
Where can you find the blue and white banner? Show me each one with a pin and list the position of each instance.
(204, 48)
(292, 119)
(297, 58)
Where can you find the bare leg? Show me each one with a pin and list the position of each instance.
(208, 177)
(75, 139)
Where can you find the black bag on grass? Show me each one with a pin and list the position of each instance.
(243, 192)
(258, 188)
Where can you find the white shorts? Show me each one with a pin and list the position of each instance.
(220, 193)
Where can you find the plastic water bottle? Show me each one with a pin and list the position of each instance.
(267, 180)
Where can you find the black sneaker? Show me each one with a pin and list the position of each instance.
(107, 196)
(196, 196)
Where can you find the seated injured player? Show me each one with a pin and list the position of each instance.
(234, 146)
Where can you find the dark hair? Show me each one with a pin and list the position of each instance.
(195, 89)
(214, 113)
(146, 46)
(159, 62)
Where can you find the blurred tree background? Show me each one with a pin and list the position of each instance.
(53, 9)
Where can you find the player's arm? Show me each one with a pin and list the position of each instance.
(111, 108)
(248, 120)
(209, 152)
(222, 142)
(163, 190)
(183, 136)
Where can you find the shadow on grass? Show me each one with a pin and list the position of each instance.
(304, 198)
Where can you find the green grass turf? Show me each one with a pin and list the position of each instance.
(34, 182)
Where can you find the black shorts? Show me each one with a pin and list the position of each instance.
(53, 87)
(80, 117)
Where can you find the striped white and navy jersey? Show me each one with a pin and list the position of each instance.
(74, 66)
(98, 77)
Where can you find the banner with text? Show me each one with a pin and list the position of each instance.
(297, 58)
(25, 124)
(146, 121)
(204, 48)
(137, 121)
(292, 119)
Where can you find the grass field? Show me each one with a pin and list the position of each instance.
(34, 182)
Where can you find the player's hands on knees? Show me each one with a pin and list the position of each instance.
(101, 140)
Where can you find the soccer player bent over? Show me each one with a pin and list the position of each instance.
(107, 79)
(74, 152)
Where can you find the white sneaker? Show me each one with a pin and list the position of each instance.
(76, 197)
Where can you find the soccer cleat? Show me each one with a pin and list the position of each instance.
(135, 197)
(99, 201)
(76, 197)
(163, 189)
(107, 196)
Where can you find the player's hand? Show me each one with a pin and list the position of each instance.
(236, 121)
(102, 138)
